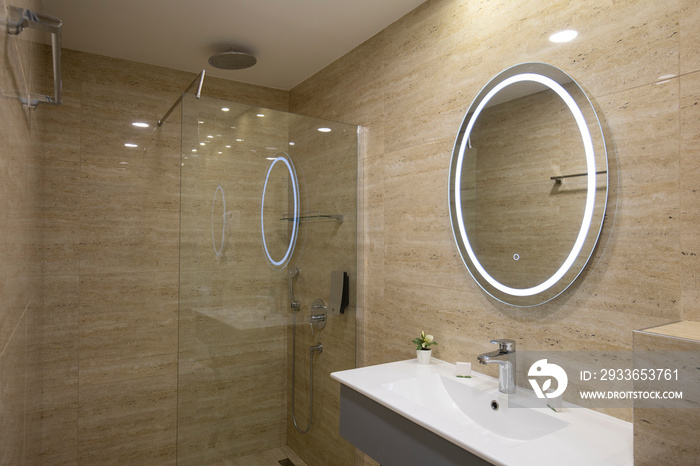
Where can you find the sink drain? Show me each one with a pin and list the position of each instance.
(494, 405)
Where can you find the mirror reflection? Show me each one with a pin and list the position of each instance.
(279, 212)
(528, 184)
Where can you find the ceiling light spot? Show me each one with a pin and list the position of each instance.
(324, 130)
(228, 147)
(291, 143)
(131, 144)
(239, 140)
(210, 136)
(260, 115)
(563, 36)
(200, 122)
(140, 124)
(202, 143)
(225, 109)
(194, 150)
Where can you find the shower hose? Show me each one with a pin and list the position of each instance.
(312, 350)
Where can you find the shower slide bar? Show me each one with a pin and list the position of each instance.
(20, 19)
(199, 80)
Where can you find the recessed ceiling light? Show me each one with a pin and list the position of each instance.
(210, 136)
(200, 122)
(261, 115)
(194, 150)
(228, 147)
(563, 36)
(131, 144)
(219, 152)
(140, 124)
(291, 143)
(239, 140)
(224, 109)
(325, 130)
(202, 143)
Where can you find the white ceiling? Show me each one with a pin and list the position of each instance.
(292, 39)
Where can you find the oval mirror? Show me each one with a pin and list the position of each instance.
(279, 211)
(528, 184)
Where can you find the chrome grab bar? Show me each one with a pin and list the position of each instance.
(20, 19)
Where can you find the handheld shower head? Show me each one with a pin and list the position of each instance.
(292, 274)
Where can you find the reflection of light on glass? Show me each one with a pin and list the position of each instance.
(130, 144)
(202, 143)
(210, 136)
(200, 122)
(224, 109)
(590, 196)
(260, 115)
(665, 78)
(140, 124)
(239, 140)
(292, 240)
(325, 130)
(223, 227)
(563, 36)
(194, 150)
(291, 143)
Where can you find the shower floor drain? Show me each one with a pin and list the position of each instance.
(286, 462)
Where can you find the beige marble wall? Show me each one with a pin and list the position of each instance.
(111, 259)
(667, 435)
(410, 85)
(23, 68)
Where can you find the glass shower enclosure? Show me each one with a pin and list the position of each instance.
(263, 193)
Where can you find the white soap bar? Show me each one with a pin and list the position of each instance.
(463, 369)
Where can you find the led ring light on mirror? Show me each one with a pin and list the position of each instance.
(591, 221)
(295, 220)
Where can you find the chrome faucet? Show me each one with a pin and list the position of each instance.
(505, 358)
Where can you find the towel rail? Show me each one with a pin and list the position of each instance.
(20, 19)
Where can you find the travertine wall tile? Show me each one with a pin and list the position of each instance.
(690, 195)
(128, 422)
(668, 435)
(21, 234)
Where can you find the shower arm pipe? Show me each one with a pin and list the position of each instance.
(199, 80)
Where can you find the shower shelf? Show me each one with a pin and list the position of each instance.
(315, 216)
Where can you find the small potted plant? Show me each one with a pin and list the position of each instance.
(423, 350)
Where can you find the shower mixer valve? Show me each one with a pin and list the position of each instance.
(317, 319)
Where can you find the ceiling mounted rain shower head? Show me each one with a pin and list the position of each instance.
(232, 60)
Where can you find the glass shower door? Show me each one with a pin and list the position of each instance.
(250, 178)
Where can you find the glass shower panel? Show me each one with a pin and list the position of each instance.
(234, 372)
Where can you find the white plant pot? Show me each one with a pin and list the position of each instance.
(424, 356)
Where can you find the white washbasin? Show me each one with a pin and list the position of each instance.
(460, 410)
(477, 404)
